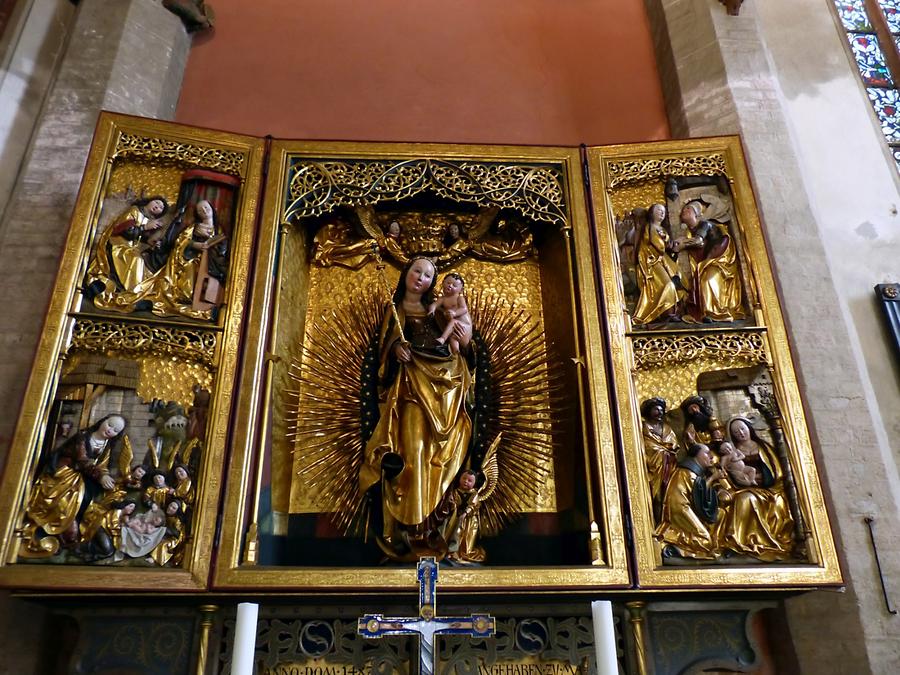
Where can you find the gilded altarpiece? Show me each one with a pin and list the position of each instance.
(491, 437)
(404, 351)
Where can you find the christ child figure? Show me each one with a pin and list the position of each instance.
(732, 460)
(453, 308)
(145, 523)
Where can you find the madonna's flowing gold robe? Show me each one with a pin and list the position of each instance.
(424, 422)
(57, 496)
(654, 276)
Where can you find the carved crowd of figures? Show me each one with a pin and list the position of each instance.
(718, 491)
(174, 268)
(90, 503)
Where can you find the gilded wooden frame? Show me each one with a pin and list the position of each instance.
(235, 568)
(125, 136)
(608, 167)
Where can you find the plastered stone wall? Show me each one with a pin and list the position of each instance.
(724, 75)
(127, 56)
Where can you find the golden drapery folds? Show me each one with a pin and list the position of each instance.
(660, 452)
(335, 244)
(174, 291)
(718, 283)
(120, 267)
(680, 525)
(57, 496)
(655, 270)
(424, 422)
(757, 521)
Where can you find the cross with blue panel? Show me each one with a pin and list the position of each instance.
(427, 624)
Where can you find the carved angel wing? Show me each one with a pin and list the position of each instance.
(490, 467)
(366, 215)
(154, 455)
(481, 223)
(188, 451)
(125, 458)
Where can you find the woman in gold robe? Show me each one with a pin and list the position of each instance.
(118, 276)
(757, 520)
(655, 270)
(76, 474)
(422, 436)
(199, 246)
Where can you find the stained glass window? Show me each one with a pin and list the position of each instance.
(887, 107)
(870, 60)
(891, 9)
(853, 15)
(873, 26)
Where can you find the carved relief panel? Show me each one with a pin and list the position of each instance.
(718, 458)
(406, 356)
(115, 472)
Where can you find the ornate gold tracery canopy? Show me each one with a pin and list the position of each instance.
(533, 190)
(278, 371)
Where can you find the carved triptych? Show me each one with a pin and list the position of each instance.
(377, 352)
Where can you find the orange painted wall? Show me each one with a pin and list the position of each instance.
(552, 72)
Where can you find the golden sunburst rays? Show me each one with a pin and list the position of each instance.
(517, 392)
(325, 411)
(524, 393)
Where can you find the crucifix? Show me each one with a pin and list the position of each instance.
(426, 625)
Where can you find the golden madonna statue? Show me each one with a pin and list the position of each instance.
(417, 381)
(424, 430)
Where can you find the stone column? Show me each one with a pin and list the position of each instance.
(126, 56)
(719, 77)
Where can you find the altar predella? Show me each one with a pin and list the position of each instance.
(380, 352)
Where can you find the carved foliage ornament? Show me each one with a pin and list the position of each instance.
(103, 336)
(535, 191)
(659, 350)
(141, 147)
(637, 171)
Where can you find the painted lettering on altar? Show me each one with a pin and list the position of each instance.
(314, 669)
(529, 669)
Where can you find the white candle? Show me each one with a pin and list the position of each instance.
(604, 638)
(244, 648)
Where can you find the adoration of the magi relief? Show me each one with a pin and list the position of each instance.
(367, 354)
